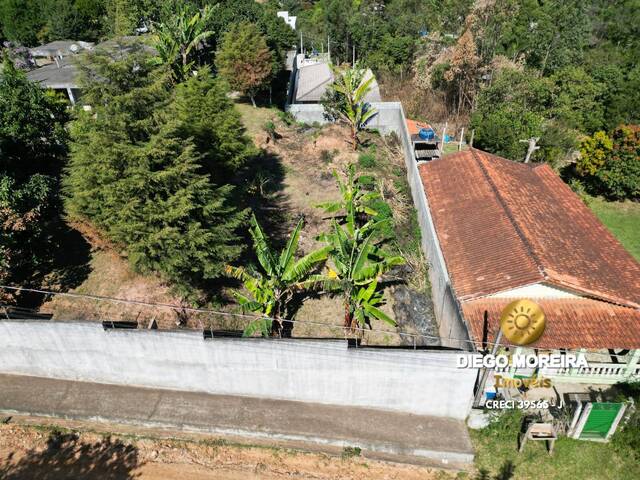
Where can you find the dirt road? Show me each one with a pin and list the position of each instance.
(53, 453)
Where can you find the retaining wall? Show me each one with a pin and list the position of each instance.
(321, 371)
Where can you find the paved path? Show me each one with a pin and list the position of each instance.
(380, 434)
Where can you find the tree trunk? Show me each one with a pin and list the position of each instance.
(183, 53)
(348, 317)
(253, 101)
(354, 137)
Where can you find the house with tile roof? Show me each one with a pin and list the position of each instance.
(508, 230)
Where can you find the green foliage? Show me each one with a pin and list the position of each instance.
(271, 288)
(550, 35)
(357, 260)
(626, 440)
(25, 210)
(354, 203)
(207, 116)
(611, 165)
(367, 160)
(32, 134)
(138, 171)
(518, 106)
(179, 33)
(244, 59)
(32, 152)
(350, 452)
(576, 100)
(21, 20)
(73, 19)
(621, 174)
(594, 152)
(345, 100)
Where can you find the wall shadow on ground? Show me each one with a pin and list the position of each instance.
(66, 457)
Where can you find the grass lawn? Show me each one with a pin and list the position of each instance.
(623, 219)
(255, 118)
(496, 453)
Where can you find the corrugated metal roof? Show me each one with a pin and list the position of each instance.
(313, 80)
(57, 77)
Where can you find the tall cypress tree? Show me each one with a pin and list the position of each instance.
(144, 179)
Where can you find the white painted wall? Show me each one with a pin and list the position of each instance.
(536, 290)
(419, 382)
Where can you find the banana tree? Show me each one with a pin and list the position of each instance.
(271, 288)
(354, 200)
(355, 266)
(179, 34)
(349, 90)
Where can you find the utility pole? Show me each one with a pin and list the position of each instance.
(532, 147)
(485, 373)
(473, 132)
(444, 134)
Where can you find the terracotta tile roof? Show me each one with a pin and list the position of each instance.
(503, 225)
(570, 323)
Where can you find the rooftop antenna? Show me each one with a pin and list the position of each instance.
(532, 147)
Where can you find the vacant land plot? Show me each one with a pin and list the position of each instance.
(297, 175)
(288, 179)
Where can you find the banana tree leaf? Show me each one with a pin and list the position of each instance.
(379, 314)
(262, 325)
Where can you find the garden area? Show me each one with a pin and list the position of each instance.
(497, 455)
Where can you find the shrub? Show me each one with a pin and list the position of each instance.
(270, 128)
(287, 118)
(627, 437)
(327, 155)
(610, 165)
(367, 160)
(594, 152)
(349, 452)
(620, 175)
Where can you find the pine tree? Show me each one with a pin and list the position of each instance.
(244, 59)
(142, 175)
(206, 114)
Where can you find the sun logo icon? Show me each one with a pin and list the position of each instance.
(522, 322)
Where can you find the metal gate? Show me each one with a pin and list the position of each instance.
(601, 418)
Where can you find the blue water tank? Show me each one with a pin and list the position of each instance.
(427, 134)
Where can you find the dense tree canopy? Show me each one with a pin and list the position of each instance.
(32, 152)
(141, 171)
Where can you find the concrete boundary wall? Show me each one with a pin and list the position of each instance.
(391, 118)
(420, 382)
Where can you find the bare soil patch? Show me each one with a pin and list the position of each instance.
(47, 453)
